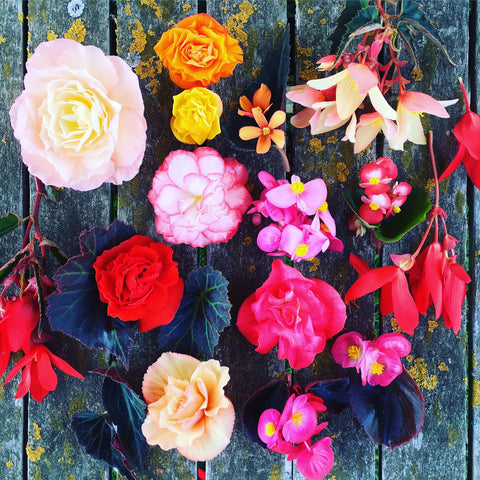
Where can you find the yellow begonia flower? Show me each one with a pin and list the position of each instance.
(196, 115)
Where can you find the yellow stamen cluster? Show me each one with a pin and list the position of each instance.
(297, 418)
(266, 131)
(323, 207)
(301, 250)
(396, 209)
(374, 206)
(269, 429)
(377, 368)
(298, 187)
(374, 181)
(353, 352)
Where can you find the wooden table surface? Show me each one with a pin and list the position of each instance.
(36, 441)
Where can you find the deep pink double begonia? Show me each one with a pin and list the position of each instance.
(315, 461)
(199, 197)
(297, 313)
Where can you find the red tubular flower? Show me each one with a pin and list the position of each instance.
(395, 294)
(467, 133)
(18, 318)
(38, 376)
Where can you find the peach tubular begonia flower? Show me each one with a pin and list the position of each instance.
(353, 85)
(80, 118)
(187, 407)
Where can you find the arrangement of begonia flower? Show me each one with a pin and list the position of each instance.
(86, 127)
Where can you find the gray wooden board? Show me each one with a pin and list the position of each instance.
(62, 222)
(139, 27)
(438, 357)
(474, 306)
(257, 27)
(11, 68)
(332, 159)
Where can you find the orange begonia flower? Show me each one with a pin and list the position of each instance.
(261, 102)
(266, 131)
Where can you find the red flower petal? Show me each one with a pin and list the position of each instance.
(371, 281)
(404, 307)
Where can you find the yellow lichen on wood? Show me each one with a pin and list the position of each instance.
(51, 35)
(128, 10)
(315, 262)
(419, 373)
(417, 74)
(20, 17)
(34, 454)
(186, 7)
(2, 39)
(77, 31)
(276, 472)
(343, 172)
(432, 325)
(153, 5)
(236, 21)
(37, 430)
(476, 393)
(139, 38)
(443, 367)
(9, 464)
(315, 145)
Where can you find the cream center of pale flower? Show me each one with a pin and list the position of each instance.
(77, 117)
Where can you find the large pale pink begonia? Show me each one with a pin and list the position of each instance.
(187, 407)
(199, 197)
(411, 105)
(80, 118)
(353, 85)
(297, 313)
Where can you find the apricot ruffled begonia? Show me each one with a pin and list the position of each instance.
(187, 407)
(199, 197)
(196, 115)
(297, 313)
(80, 118)
(198, 51)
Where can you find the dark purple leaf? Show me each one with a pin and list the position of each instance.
(203, 313)
(334, 393)
(390, 415)
(97, 436)
(273, 395)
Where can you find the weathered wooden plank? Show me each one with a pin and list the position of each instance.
(328, 157)
(53, 451)
(11, 65)
(139, 27)
(474, 262)
(257, 26)
(438, 358)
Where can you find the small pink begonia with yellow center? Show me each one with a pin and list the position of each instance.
(187, 407)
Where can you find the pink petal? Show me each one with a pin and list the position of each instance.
(421, 102)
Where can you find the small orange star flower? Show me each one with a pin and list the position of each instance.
(266, 131)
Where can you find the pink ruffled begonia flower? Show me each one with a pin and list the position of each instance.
(187, 408)
(199, 197)
(378, 360)
(80, 118)
(297, 313)
(315, 461)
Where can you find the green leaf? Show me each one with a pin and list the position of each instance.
(393, 228)
(7, 269)
(202, 315)
(413, 212)
(9, 222)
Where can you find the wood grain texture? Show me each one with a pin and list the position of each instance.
(11, 74)
(438, 358)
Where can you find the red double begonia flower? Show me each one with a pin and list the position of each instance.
(38, 376)
(395, 294)
(467, 133)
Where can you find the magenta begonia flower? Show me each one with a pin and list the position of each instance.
(300, 419)
(295, 312)
(348, 350)
(315, 461)
(199, 197)
(307, 196)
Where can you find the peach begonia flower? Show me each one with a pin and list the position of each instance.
(198, 51)
(368, 126)
(411, 105)
(353, 85)
(187, 407)
(196, 115)
(266, 131)
(199, 197)
(261, 101)
(80, 118)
